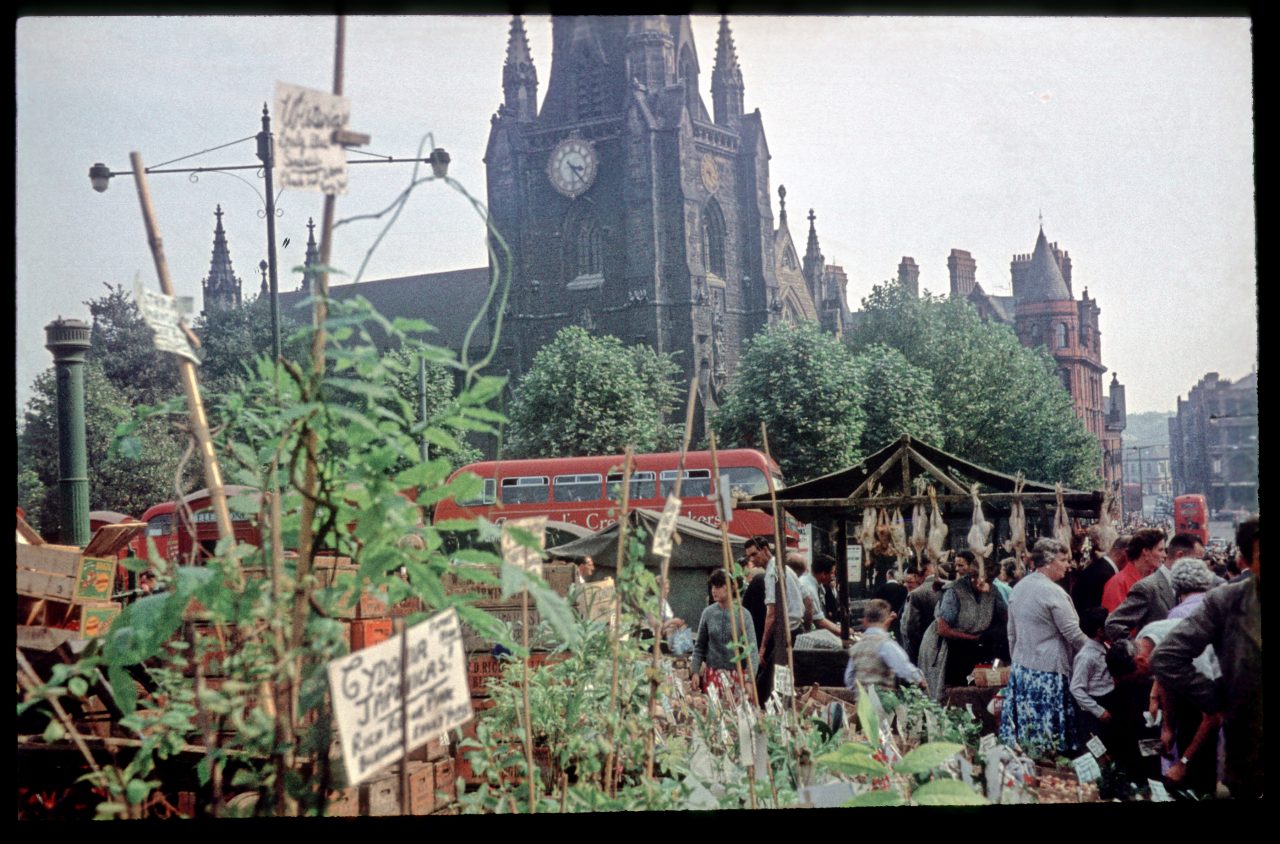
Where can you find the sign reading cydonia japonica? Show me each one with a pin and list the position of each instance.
(369, 704)
(666, 524)
(307, 156)
(163, 315)
(513, 553)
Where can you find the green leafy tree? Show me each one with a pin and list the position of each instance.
(232, 337)
(1000, 403)
(126, 482)
(124, 346)
(591, 395)
(803, 384)
(898, 399)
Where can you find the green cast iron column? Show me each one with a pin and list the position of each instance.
(68, 339)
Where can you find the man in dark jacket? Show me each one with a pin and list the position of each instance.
(918, 611)
(1087, 592)
(1151, 598)
(1230, 619)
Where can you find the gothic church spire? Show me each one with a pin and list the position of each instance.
(519, 77)
(221, 288)
(726, 79)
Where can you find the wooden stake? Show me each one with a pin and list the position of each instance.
(779, 561)
(617, 609)
(186, 369)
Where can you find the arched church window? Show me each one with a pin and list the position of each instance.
(590, 259)
(1060, 335)
(713, 236)
(789, 258)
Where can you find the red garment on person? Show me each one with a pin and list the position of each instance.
(1113, 594)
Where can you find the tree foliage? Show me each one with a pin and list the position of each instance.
(802, 383)
(898, 398)
(1000, 404)
(586, 394)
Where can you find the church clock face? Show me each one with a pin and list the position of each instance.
(710, 173)
(572, 167)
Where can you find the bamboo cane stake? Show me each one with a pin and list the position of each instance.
(650, 738)
(524, 691)
(735, 606)
(779, 553)
(186, 369)
(627, 459)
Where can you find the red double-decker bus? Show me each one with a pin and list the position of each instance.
(587, 491)
(1191, 515)
(174, 536)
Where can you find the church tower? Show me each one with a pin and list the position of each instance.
(626, 207)
(221, 287)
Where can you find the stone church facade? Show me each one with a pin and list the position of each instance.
(633, 210)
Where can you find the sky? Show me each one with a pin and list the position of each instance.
(1133, 137)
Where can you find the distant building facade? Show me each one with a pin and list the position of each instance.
(1044, 312)
(1148, 467)
(1213, 442)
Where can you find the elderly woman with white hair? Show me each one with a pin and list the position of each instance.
(1044, 634)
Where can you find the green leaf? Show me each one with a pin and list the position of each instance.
(876, 798)
(78, 686)
(853, 759)
(54, 731)
(136, 791)
(926, 757)
(947, 792)
(867, 716)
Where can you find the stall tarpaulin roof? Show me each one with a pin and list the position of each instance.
(894, 469)
(696, 546)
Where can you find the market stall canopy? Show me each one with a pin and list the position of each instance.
(696, 544)
(888, 479)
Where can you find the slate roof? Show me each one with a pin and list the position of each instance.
(449, 301)
(1044, 281)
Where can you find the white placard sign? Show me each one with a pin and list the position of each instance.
(666, 524)
(163, 314)
(987, 743)
(1086, 766)
(306, 155)
(1158, 792)
(1096, 747)
(782, 683)
(368, 703)
(518, 555)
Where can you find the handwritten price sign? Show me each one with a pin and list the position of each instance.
(307, 155)
(372, 691)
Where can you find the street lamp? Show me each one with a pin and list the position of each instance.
(100, 176)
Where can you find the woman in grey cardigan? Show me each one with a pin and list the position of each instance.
(1044, 634)
(713, 650)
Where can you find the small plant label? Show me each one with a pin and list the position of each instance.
(744, 740)
(521, 556)
(369, 695)
(987, 743)
(782, 683)
(1096, 747)
(1158, 792)
(666, 525)
(163, 315)
(307, 155)
(1086, 767)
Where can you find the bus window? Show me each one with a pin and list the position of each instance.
(643, 485)
(744, 480)
(576, 488)
(160, 525)
(697, 483)
(531, 489)
(488, 496)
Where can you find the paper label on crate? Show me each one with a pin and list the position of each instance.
(666, 524)
(307, 157)
(513, 553)
(1096, 747)
(163, 315)
(369, 703)
(987, 743)
(1086, 768)
(1158, 792)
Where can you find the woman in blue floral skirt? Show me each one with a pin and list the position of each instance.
(1044, 634)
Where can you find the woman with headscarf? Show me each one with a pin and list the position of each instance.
(1039, 713)
(968, 627)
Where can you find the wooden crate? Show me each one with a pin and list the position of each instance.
(445, 779)
(63, 573)
(422, 788)
(986, 677)
(344, 803)
(384, 795)
(475, 642)
(82, 619)
(369, 631)
(433, 750)
(559, 576)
